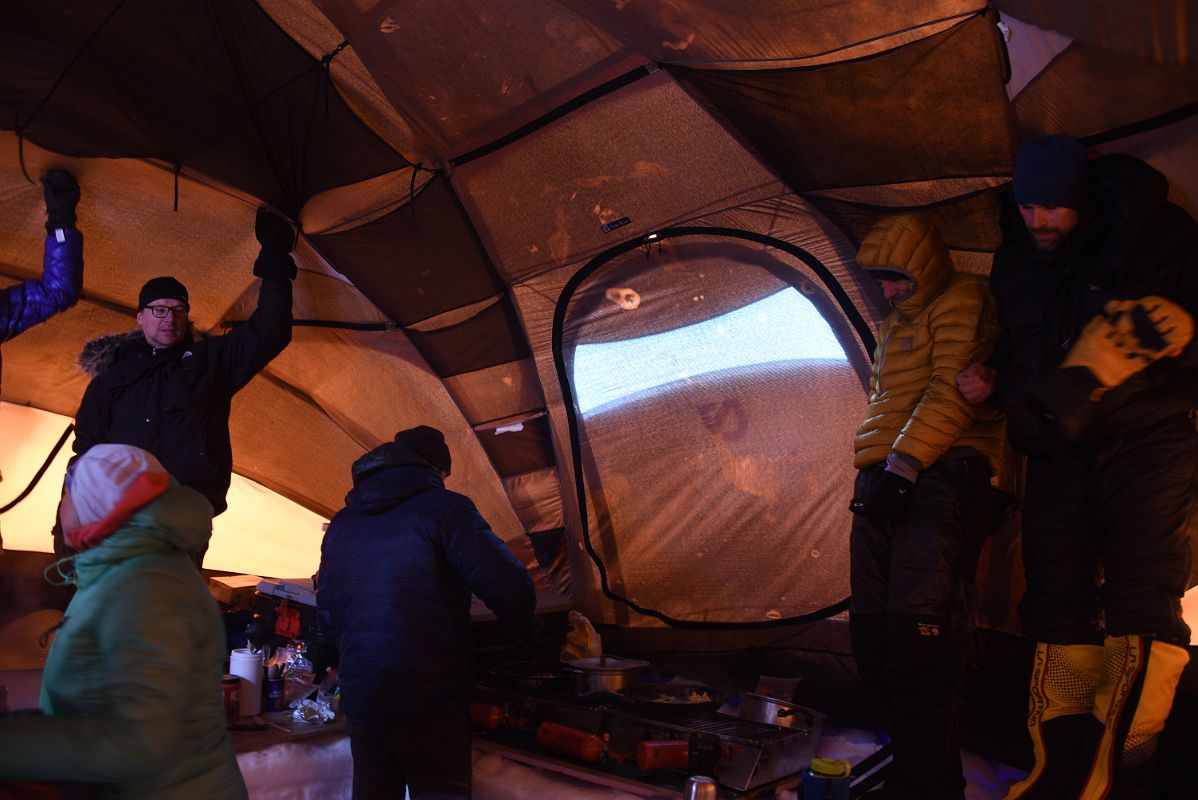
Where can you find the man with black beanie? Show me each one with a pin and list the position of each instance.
(1096, 282)
(30, 302)
(167, 390)
(397, 567)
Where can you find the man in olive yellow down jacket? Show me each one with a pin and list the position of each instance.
(925, 456)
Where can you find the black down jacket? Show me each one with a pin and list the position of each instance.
(1131, 242)
(398, 565)
(175, 401)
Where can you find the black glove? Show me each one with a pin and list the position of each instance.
(886, 500)
(277, 238)
(61, 191)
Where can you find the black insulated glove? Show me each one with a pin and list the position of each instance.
(277, 238)
(61, 191)
(886, 500)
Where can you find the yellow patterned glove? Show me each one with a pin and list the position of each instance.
(1129, 336)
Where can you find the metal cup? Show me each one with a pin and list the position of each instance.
(699, 787)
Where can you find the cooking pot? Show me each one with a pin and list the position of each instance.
(605, 674)
(772, 711)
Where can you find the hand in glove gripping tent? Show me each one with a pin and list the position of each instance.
(1129, 336)
(61, 192)
(277, 238)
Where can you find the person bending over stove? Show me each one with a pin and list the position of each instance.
(397, 567)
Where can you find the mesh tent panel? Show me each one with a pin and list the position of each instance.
(418, 261)
(897, 116)
(215, 85)
(1089, 90)
(967, 223)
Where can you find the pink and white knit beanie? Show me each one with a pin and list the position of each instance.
(106, 485)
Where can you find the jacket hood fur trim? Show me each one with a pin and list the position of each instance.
(101, 353)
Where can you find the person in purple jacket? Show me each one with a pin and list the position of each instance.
(27, 303)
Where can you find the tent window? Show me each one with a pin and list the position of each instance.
(784, 327)
(715, 384)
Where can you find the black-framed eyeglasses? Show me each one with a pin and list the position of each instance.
(161, 311)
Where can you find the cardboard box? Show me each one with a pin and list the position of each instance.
(235, 591)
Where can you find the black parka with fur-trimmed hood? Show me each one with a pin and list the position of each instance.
(175, 401)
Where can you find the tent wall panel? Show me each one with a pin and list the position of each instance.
(646, 153)
(313, 31)
(711, 33)
(448, 85)
(371, 384)
(131, 233)
(1089, 90)
(1162, 30)
(499, 392)
(1030, 49)
(537, 498)
(898, 116)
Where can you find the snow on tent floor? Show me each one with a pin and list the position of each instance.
(322, 770)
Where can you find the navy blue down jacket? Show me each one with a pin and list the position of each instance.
(398, 565)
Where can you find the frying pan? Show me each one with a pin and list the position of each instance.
(672, 699)
(531, 676)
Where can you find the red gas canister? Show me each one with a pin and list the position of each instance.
(570, 741)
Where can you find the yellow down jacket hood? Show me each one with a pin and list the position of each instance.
(945, 324)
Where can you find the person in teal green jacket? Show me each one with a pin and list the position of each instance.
(131, 692)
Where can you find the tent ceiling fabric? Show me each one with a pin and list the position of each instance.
(455, 165)
(1156, 30)
(537, 55)
(895, 117)
(213, 85)
(711, 33)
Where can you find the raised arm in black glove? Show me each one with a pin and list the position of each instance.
(277, 238)
(62, 195)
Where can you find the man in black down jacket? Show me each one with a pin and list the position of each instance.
(168, 391)
(398, 565)
(27, 303)
(1097, 283)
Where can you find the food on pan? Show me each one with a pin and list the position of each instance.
(691, 696)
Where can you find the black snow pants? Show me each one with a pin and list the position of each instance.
(1105, 543)
(910, 619)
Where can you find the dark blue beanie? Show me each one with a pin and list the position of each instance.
(428, 443)
(1052, 171)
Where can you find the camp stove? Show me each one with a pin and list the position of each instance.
(608, 740)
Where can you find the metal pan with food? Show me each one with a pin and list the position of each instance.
(672, 699)
(531, 676)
